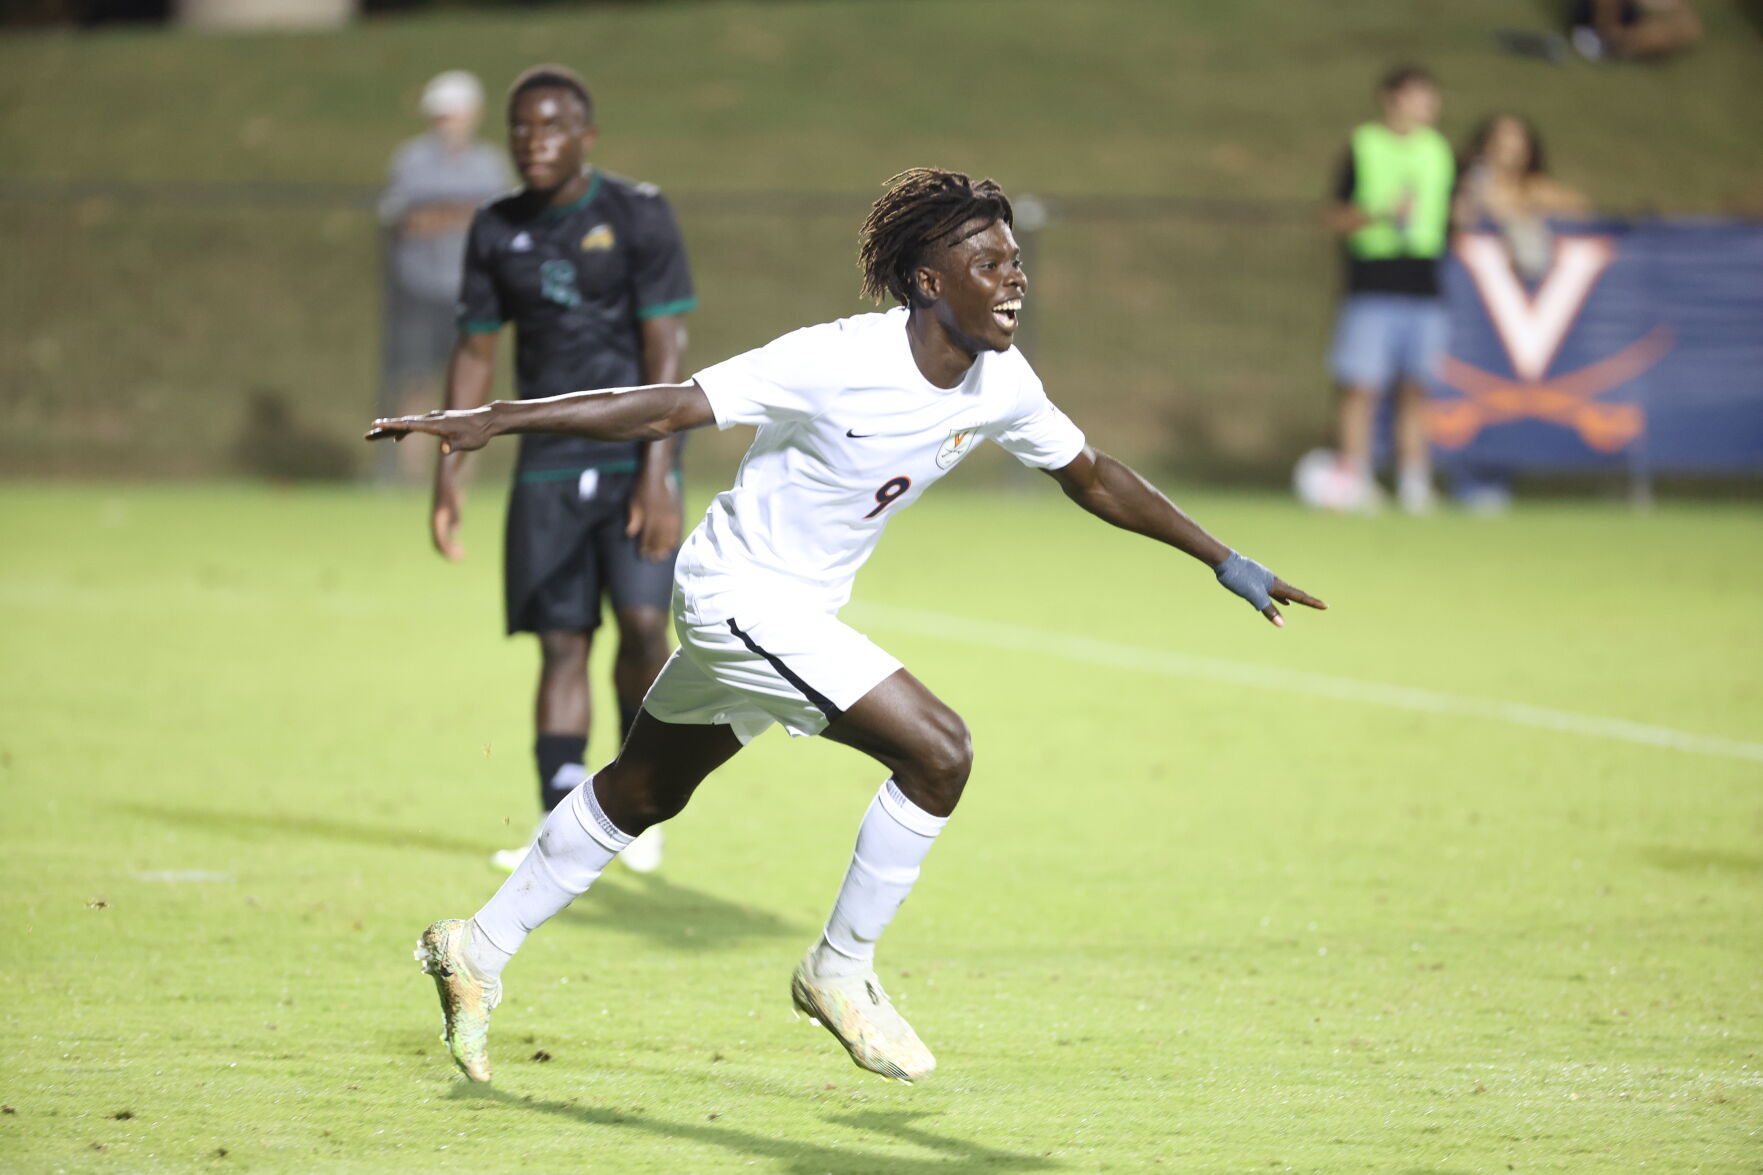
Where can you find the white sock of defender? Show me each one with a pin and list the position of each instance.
(574, 846)
(891, 844)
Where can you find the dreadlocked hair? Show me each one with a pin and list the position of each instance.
(923, 208)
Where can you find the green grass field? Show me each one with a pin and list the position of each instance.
(1206, 908)
(134, 329)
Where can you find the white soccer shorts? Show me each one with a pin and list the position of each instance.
(802, 669)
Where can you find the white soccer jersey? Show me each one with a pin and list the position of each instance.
(850, 434)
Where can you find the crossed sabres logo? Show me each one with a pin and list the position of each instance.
(1531, 329)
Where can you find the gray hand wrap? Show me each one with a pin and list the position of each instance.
(1247, 579)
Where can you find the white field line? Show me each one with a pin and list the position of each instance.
(175, 876)
(1017, 638)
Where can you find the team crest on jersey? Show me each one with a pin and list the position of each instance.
(522, 243)
(557, 283)
(960, 440)
(599, 237)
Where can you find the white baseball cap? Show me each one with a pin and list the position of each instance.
(453, 92)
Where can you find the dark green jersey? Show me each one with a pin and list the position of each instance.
(576, 282)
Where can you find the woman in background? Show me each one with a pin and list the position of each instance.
(1505, 181)
(1505, 184)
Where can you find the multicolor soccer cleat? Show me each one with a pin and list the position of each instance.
(467, 997)
(860, 1016)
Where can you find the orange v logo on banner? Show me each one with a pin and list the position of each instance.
(1532, 329)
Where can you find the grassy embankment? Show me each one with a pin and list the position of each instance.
(132, 337)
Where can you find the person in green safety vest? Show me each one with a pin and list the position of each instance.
(1392, 210)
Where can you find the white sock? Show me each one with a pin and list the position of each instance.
(574, 845)
(891, 844)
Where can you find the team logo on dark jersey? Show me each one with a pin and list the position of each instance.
(557, 283)
(522, 243)
(959, 442)
(599, 237)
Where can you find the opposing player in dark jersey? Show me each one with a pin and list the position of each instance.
(589, 268)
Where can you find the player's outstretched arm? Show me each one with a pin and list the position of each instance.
(1118, 495)
(617, 414)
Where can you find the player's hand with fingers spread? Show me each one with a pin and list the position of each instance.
(460, 430)
(1261, 587)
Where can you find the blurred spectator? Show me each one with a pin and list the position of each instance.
(1632, 29)
(1506, 185)
(436, 182)
(1392, 209)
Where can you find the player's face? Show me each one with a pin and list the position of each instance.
(548, 138)
(978, 286)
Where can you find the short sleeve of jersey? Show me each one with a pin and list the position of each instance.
(660, 278)
(480, 303)
(1039, 435)
(784, 381)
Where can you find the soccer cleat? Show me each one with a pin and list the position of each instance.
(467, 998)
(644, 854)
(860, 1016)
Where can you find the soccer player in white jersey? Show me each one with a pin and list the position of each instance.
(856, 418)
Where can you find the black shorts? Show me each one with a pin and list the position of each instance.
(563, 553)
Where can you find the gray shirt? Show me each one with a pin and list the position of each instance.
(423, 171)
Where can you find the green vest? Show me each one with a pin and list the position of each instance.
(1387, 168)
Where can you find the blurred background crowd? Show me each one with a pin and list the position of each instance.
(234, 227)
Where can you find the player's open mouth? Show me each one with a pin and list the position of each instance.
(1006, 312)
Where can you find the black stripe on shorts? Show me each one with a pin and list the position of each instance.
(821, 702)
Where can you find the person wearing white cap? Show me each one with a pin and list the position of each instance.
(436, 181)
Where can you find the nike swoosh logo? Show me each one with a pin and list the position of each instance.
(857, 436)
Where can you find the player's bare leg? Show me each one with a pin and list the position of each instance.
(901, 724)
(658, 769)
(913, 733)
(562, 703)
(653, 777)
(642, 651)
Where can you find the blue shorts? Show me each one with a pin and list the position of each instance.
(1380, 339)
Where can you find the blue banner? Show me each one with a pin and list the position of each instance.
(1639, 347)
